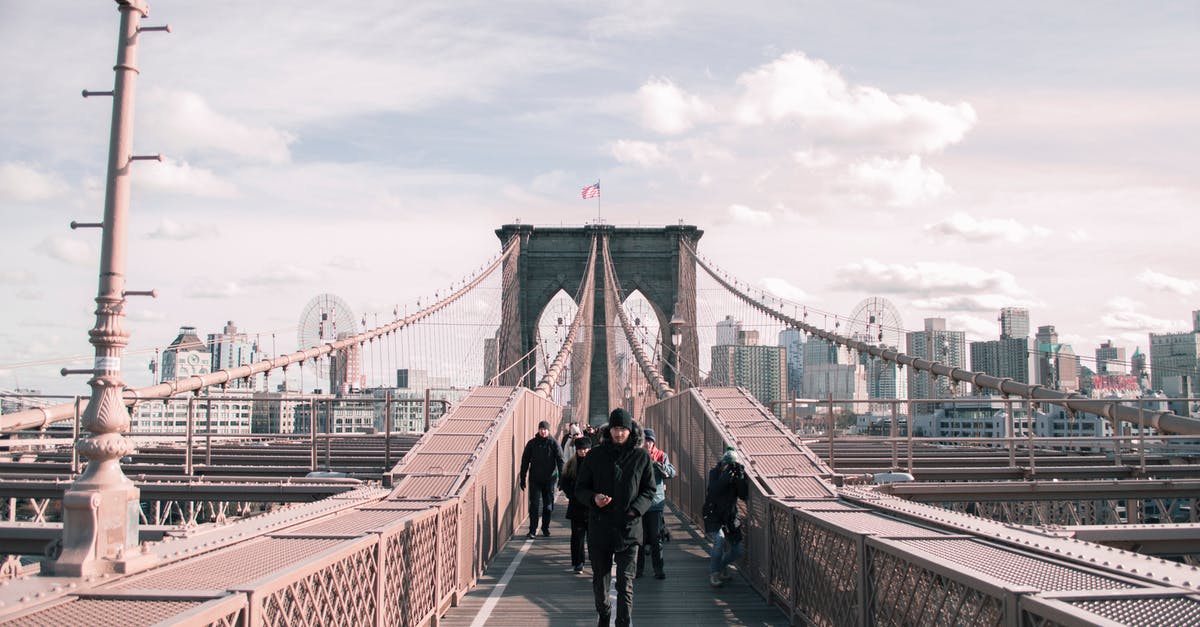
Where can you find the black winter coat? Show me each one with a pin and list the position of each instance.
(542, 459)
(575, 510)
(726, 484)
(623, 473)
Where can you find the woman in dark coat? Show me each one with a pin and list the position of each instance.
(577, 512)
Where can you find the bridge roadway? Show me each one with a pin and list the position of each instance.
(542, 590)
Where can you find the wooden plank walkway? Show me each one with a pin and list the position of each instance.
(544, 591)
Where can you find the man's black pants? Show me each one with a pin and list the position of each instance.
(603, 556)
(541, 503)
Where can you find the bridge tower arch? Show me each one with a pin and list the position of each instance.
(658, 262)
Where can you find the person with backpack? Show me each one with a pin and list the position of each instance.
(726, 484)
(652, 520)
(577, 513)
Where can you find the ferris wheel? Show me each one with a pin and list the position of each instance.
(877, 321)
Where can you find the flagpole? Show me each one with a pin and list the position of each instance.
(599, 220)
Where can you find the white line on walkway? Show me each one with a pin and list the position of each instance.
(485, 612)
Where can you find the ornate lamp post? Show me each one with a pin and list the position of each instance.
(100, 510)
(676, 325)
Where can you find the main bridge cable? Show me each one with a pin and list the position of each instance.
(1163, 421)
(613, 288)
(550, 379)
(40, 417)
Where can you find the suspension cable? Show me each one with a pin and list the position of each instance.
(650, 371)
(39, 417)
(555, 370)
(1161, 420)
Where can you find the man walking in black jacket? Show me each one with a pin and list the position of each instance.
(617, 486)
(542, 461)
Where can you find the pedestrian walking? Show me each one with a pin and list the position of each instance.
(542, 461)
(616, 483)
(726, 484)
(652, 520)
(577, 512)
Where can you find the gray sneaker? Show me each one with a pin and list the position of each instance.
(714, 579)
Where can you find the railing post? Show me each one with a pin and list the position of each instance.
(895, 427)
(387, 431)
(426, 410)
(208, 432)
(1142, 436)
(832, 463)
(1029, 436)
(1010, 432)
(312, 435)
(191, 427)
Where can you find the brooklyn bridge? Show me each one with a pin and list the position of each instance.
(327, 525)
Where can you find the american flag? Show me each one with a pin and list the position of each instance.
(592, 191)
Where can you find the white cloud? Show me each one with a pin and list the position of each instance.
(145, 315)
(71, 251)
(742, 214)
(23, 182)
(283, 275)
(968, 302)
(16, 277)
(348, 263)
(669, 110)
(815, 158)
(974, 326)
(215, 289)
(1140, 322)
(895, 182)
(641, 153)
(933, 279)
(783, 289)
(182, 178)
(171, 230)
(184, 122)
(810, 92)
(1166, 283)
(971, 229)
(632, 18)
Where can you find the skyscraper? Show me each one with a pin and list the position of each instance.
(759, 369)
(792, 340)
(935, 343)
(1110, 359)
(1175, 359)
(1057, 363)
(1014, 322)
(230, 349)
(1007, 357)
(727, 332)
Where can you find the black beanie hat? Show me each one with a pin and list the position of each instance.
(620, 418)
(582, 443)
(543, 425)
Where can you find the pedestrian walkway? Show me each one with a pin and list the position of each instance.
(540, 589)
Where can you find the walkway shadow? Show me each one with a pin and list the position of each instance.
(544, 591)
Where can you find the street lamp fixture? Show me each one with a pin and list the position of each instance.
(676, 324)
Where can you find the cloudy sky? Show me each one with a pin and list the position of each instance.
(954, 158)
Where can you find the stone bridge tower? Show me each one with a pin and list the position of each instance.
(654, 261)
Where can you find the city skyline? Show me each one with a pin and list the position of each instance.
(952, 166)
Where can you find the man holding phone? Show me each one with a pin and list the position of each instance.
(617, 485)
